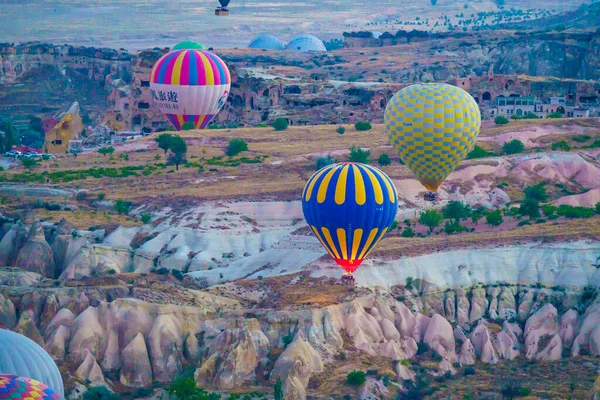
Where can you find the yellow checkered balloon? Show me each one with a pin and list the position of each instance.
(432, 126)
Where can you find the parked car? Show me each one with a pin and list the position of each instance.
(32, 154)
(48, 156)
(13, 153)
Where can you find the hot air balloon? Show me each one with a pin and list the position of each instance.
(188, 45)
(432, 127)
(349, 207)
(223, 10)
(190, 87)
(21, 356)
(16, 388)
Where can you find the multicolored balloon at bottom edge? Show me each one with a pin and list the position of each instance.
(18, 388)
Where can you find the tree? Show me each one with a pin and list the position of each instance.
(561, 145)
(431, 219)
(501, 120)
(456, 210)
(555, 114)
(359, 155)
(235, 147)
(477, 152)
(384, 160)
(530, 208)
(9, 135)
(494, 218)
(280, 124)
(29, 162)
(278, 389)
(105, 151)
(515, 146)
(362, 126)
(536, 192)
(178, 149)
(598, 208)
(476, 216)
(322, 162)
(122, 207)
(341, 130)
(76, 150)
(164, 141)
(356, 378)
(184, 388)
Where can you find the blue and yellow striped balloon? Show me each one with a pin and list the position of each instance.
(349, 207)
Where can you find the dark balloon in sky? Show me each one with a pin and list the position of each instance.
(224, 3)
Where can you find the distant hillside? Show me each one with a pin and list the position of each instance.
(587, 16)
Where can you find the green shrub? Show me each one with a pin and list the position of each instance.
(29, 162)
(184, 388)
(101, 196)
(501, 120)
(408, 233)
(105, 151)
(523, 223)
(453, 227)
(287, 339)
(515, 146)
(362, 126)
(122, 206)
(262, 125)
(359, 155)
(524, 392)
(561, 145)
(540, 221)
(567, 211)
(549, 210)
(598, 208)
(356, 378)
(394, 225)
(235, 147)
(100, 393)
(142, 392)
(477, 152)
(146, 217)
(581, 138)
(322, 162)
(555, 115)
(384, 160)
(341, 130)
(469, 371)
(422, 348)
(280, 124)
(177, 274)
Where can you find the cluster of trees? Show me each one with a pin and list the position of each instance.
(455, 212)
(175, 145)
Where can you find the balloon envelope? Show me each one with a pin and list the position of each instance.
(188, 44)
(21, 356)
(349, 207)
(16, 388)
(190, 87)
(224, 3)
(432, 127)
